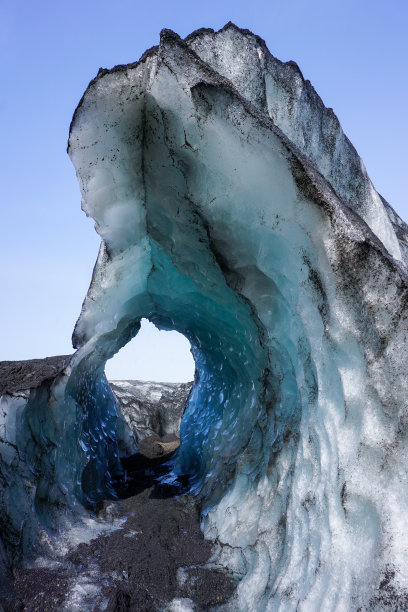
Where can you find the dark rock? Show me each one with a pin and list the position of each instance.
(19, 375)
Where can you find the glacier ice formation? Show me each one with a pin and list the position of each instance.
(149, 412)
(233, 209)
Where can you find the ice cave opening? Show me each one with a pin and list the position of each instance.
(151, 379)
(222, 416)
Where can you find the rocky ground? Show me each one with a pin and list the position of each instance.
(142, 552)
(150, 556)
(31, 373)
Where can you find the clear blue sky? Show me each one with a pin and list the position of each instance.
(354, 52)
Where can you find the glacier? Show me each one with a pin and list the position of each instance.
(149, 412)
(233, 209)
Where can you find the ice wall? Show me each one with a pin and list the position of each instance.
(148, 411)
(233, 209)
(39, 459)
(279, 90)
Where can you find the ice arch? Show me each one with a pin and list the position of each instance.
(235, 386)
(227, 215)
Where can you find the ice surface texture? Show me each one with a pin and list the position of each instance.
(233, 209)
